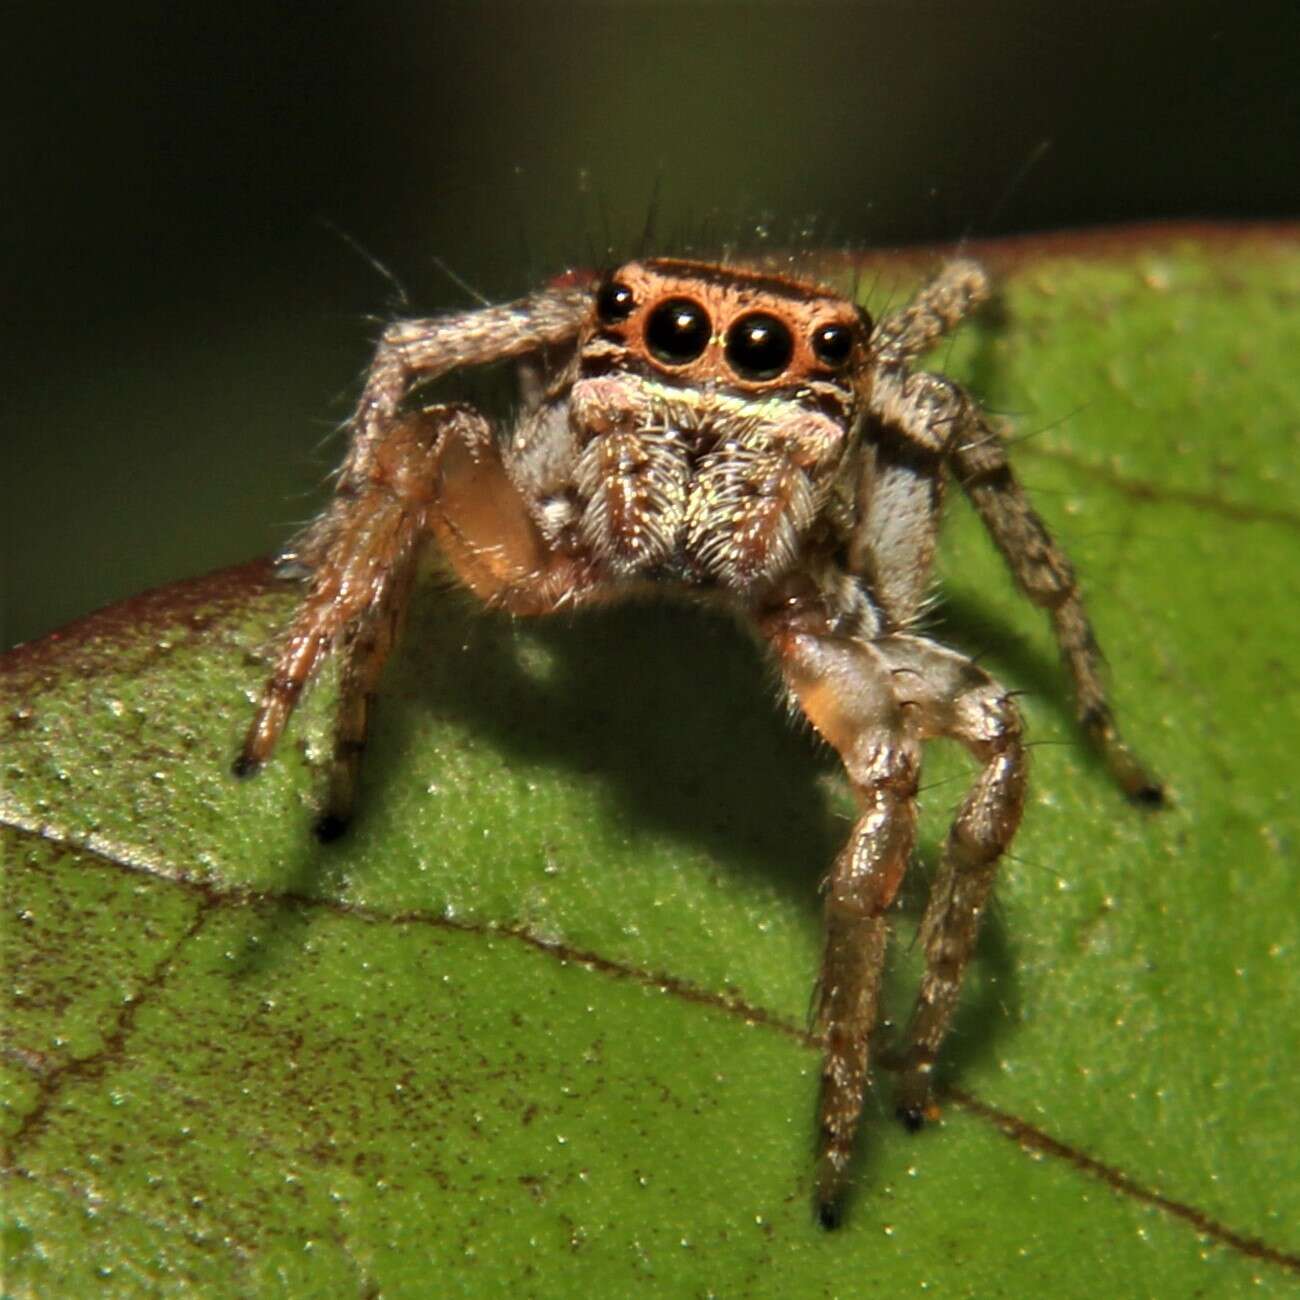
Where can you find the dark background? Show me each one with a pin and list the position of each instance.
(185, 328)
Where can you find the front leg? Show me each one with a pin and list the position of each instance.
(362, 554)
(434, 474)
(847, 692)
(407, 473)
(414, 352)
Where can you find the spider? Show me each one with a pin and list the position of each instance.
(753, 440)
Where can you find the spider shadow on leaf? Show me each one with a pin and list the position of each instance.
(667, 711)
(672, 716)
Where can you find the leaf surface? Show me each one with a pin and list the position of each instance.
(537, 1024)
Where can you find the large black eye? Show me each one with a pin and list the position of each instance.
(759, 346)
(677, 331)
(614, 302)
(831, 344)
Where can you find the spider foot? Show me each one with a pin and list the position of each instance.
(830, 1214)
(916, 1106)
(1128, 772)
(912, 1118)
(1138, 785)
(830, 1187)
(330, 826)
(1149, 794)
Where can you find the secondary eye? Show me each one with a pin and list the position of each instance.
(614, 302)
(759, 346)
(677, 331)
(831, 344)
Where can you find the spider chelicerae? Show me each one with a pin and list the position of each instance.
(752, 440)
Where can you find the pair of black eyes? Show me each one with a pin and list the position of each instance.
(758, 345)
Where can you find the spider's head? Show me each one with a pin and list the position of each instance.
(713, 407)
(712, 327)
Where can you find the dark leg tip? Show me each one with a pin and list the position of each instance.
(1150, 796)
(330, 827)
(829, 1215)
(912, 1118)
(243, 767)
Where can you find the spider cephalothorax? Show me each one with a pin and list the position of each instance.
(708, 413)
(752, 440)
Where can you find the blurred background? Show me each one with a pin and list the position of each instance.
(193, 197)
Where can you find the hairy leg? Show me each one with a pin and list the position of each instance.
(900, 489)
(361, 555)
(366, 649)
(937, 309)
(363, 551)
(1046, 577)
(846, 691)
(413, 352)
(926, 410)
(932, 413)
(947, 695)
(436, 472)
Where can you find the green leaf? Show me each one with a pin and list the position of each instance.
(536, 1025)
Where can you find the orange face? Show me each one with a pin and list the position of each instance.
(709, 326)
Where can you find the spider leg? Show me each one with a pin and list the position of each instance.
(419, 351)
(937, 309)
(437, 472)
(847, 692)
(949, 696)
(1046, 577)
(362, 554)
(934, 413)
(364, 550)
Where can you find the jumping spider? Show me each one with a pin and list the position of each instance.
(753, 440)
